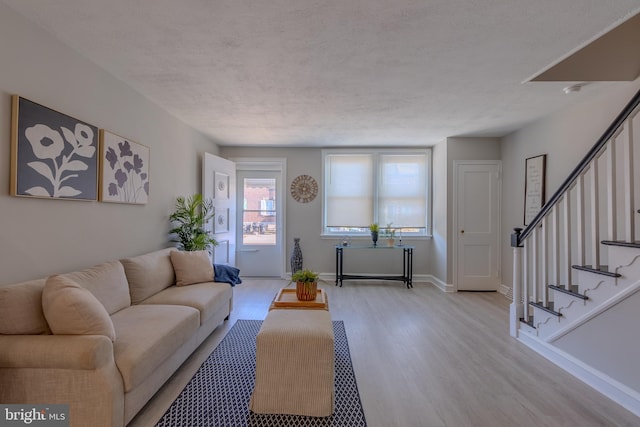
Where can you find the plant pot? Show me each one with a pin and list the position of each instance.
(391, 242)
(374, 237)
(306, 291)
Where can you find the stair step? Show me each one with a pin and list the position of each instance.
(548, 308)
(603, 270)
(573, 291)
(624, 243)
(529, 323)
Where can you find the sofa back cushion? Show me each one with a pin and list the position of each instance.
(71, 309)
(148, 274)
(192, 267)
(107, 282)
(21, 309)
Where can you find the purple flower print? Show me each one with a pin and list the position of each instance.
(111, 157)
(125, 149)
(121, 177)
(129, 180)
(137, 164)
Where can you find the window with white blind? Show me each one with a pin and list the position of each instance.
(388, 187)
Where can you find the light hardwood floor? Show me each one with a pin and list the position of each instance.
(426, 358)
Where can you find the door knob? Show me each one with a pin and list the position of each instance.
(461, 231)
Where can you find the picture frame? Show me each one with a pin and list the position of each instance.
(124, 170)
(534, 186)
(221, 221)
(221, 182)
(53, 155)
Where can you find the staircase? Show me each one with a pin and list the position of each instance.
(576, 268)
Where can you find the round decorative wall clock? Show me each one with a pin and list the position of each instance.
(304, 188)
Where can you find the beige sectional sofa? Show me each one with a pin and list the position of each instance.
(105, 339)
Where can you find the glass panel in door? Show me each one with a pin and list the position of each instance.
(259, 249)
(259, 225)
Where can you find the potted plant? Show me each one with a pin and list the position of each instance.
(306, 284)
(374, 229)
(190, 216)
(390, 234)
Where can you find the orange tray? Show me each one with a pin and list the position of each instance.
(286, 298)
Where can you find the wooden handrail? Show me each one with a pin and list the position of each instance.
(518, 237)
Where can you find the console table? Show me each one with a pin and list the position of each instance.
(407, 264)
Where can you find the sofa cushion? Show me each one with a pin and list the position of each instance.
(208, 298)
(21, 309)
(148, 274)
(148, 335)
(192, 267)
(107, 282)
(71, 309)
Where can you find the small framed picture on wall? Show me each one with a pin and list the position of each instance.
(534, 186)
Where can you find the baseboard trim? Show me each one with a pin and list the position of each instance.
(614, 390)
(506, 291)
(444, 287)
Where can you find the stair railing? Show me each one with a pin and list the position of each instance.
(596, 199)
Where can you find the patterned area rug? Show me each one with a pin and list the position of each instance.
(219, 393)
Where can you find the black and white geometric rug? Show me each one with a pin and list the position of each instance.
(218, 394)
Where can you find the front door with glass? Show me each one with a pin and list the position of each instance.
(259, 243)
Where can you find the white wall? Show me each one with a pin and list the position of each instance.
(41, 237)
(440, 223)
(565, 137)
(304, 220)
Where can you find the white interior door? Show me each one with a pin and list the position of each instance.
(260, 231)
(477, 222)
(219, 184)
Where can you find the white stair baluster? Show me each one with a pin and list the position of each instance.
(629, 208)
(555, 246)
(544, 290)
(535, 266)
(525, 279)
(580, 219)
(612, 220)
(566, 219)
(594, 245)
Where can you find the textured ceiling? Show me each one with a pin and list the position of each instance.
(336, 72)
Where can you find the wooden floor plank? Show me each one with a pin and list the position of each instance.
(427, 358)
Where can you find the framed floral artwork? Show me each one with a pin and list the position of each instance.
(53, 156)
(124, 170)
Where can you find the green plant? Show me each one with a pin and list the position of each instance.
(190, 216)
(374, 228)
(306, 276)
(389, 232)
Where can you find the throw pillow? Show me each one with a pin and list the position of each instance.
(21, 309)
(192, 267)
(71, 309)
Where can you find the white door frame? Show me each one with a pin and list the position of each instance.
(269, 164)
(455, 228)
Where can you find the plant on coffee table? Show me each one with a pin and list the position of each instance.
(306, 284)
